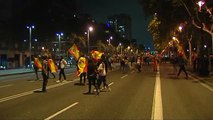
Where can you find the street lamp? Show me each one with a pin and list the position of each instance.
(200, 4)
(89, 29)
(110, 40)
(121, 47)
(59, 41)
(30, 44)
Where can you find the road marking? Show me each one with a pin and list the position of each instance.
(203, 84)
(206, 86)
(61, 111)
(31, 92)
(157, 109)
(3, 86)
(111, 83)
(124, 76)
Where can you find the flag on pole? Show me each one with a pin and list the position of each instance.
(37, 63)
(181, 51)
(74, 51)
(96, 54)
(82, 65)
(52, 66)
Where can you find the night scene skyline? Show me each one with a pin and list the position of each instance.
(100, 10)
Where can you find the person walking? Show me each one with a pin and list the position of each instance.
(92, 76)
(62, 65)
(138, 63)
(182, 64)
(102, 72)
(44, 73)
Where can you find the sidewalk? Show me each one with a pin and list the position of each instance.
(15, 71)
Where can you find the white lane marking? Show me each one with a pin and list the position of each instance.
(31, 92)
(3, 86)
(157, 108)
(111, 83)
(203, 84)
(61, 111)
(124, 76)
(206, 86)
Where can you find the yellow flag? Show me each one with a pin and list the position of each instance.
(74, 51)
(37, 63)
(82, 65)
(96, 54)
(181, 51)
(52, 66)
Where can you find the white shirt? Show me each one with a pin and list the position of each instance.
(101, 69)
(63, 63)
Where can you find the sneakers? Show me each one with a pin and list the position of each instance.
(64, 81)
(58, 81)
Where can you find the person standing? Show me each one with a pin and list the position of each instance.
(62, 65)
(92, 76)
(155, 64)
(83, 74)
(50, 61)
(44, 73)
(182, 64)
(36, 67)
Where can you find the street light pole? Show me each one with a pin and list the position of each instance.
(30, 44)
(89, 29)
(121, 47)
(59, 41)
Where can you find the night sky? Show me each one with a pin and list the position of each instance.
(101, 9)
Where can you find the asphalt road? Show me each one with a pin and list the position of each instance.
(135, 96)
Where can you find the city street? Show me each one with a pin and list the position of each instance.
(134, 95)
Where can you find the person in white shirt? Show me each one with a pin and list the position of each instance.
(62, 65)
(102, 72)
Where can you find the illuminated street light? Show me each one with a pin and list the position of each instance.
(121, 47)
(89, 29)
(59, 40)
(30, 44)
(180, 28)
(200, 4)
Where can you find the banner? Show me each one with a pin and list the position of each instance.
(96, 55)
(74, 51)
(82, 65)
(37, 63)
(52, 66)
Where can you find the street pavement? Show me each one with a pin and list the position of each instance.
(134, 95)
(206, 79)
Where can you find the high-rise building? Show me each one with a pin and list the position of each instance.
(121, 23)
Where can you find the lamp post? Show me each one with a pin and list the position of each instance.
(121, 47)
(30, 44)
(89, 29)
(200, 4)
(59, 41)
